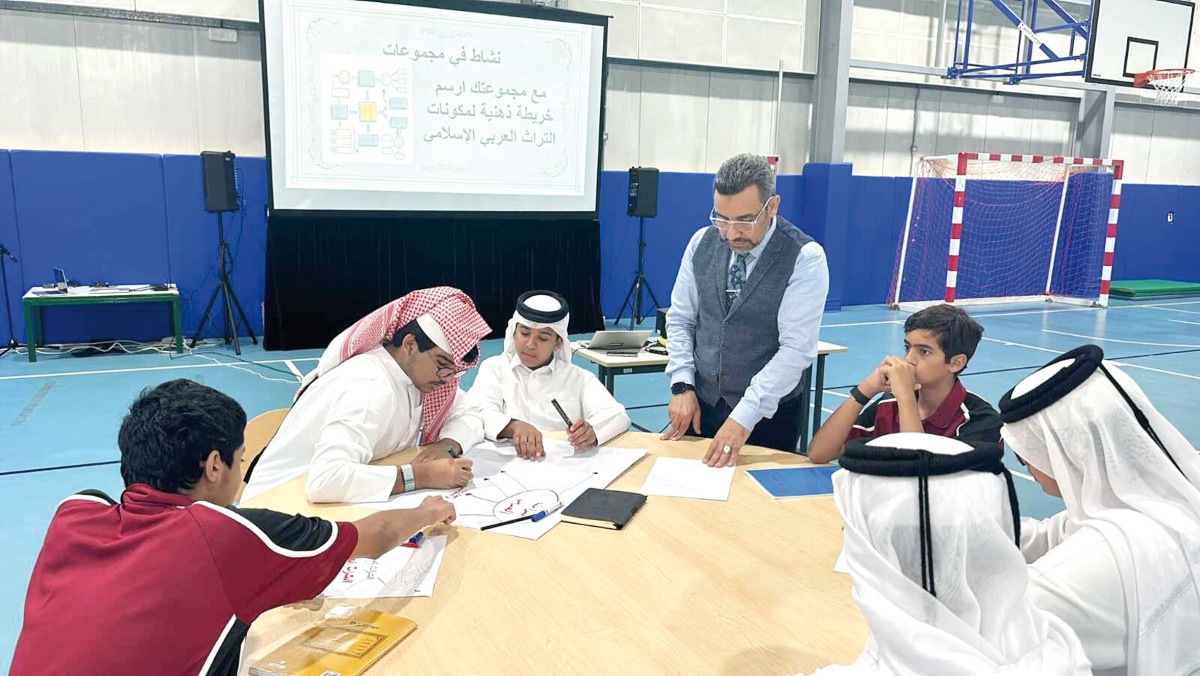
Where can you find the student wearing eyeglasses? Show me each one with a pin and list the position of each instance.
(387, 383)
(744, 318)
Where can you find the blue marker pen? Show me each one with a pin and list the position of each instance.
(415, 541)
(536, 516)
(546, 512)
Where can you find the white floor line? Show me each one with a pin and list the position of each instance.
(292, 367)
(1184, 321)
(1125, 342)
(884, 321)
(1151, 368)
(837, 394)
(1082, 309)
(1182, 302)
(1047, 311)
(1171, 309)
(1034, 312)
(1015, 344)
(32, 376)
(1022, 475)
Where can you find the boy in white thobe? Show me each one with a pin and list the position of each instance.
(931, 550)
(1120, 564)
(388, 383)
(515, 392)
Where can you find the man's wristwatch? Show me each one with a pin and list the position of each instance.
(858, 395)
(680, 388)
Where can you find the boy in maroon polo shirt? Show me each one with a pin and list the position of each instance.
(922, 392)
(168, 580)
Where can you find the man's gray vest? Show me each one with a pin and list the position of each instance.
(737, 336)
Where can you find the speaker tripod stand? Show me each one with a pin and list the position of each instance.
(639, 282)
(12, 337)
(229, 299)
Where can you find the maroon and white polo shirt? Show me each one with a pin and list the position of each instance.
(160, 584)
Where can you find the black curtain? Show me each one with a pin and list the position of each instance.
(325, 272)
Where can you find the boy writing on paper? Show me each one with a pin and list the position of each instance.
(516, 393)
(387, 383)
(921, 390)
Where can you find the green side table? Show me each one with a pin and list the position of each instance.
(36, 299)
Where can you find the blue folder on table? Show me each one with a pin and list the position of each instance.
(795, 482)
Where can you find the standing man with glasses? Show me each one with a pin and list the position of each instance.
(387, 383)
(744, 318)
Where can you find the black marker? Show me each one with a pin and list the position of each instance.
(562, 413)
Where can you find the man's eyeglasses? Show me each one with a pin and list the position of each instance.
(724, 224)
(451, 372)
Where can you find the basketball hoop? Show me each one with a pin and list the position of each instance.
(1167, 82)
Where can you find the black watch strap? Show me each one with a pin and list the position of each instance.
(680, 388)
(861, 398)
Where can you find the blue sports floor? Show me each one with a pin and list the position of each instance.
(59, 417)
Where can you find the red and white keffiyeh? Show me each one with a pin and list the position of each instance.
(454, 317)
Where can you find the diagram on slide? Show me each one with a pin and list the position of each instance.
(400, 572)
(366, 109)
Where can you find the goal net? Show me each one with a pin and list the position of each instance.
(992, 228)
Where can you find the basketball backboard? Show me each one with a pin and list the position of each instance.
(1133, 36)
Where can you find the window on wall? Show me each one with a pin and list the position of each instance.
(735, 33)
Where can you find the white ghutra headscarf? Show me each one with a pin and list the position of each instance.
(540, 310)
(1133, 477)
(931, 549)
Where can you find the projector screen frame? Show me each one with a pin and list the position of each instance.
(475, 6)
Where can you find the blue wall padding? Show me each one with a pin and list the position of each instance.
(827, 195)
(1148, 247)
(99, 217)
(877, 213)
(684, 203)
(192, 234)
(125, 218)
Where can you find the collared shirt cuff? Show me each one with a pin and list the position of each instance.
(684, 376)
(745, 415)
(494, 423)
(375, 484)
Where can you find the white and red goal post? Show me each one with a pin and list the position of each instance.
(1002, 228)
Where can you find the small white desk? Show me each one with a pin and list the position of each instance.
(611, 366)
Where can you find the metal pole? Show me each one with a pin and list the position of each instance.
(778, 113)
(939, 55)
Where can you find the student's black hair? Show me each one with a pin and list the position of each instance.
(956, 332)
(425, 343)
(170, 431)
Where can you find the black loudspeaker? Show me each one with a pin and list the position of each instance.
(220, 193)
(643, 192)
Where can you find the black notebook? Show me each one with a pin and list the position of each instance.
(603, 508)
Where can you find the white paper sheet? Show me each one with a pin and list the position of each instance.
(400, 572)
(506, 487)
(684, 478)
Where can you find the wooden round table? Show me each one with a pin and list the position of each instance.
(688, 587)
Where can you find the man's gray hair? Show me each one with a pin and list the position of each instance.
(742, 171)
